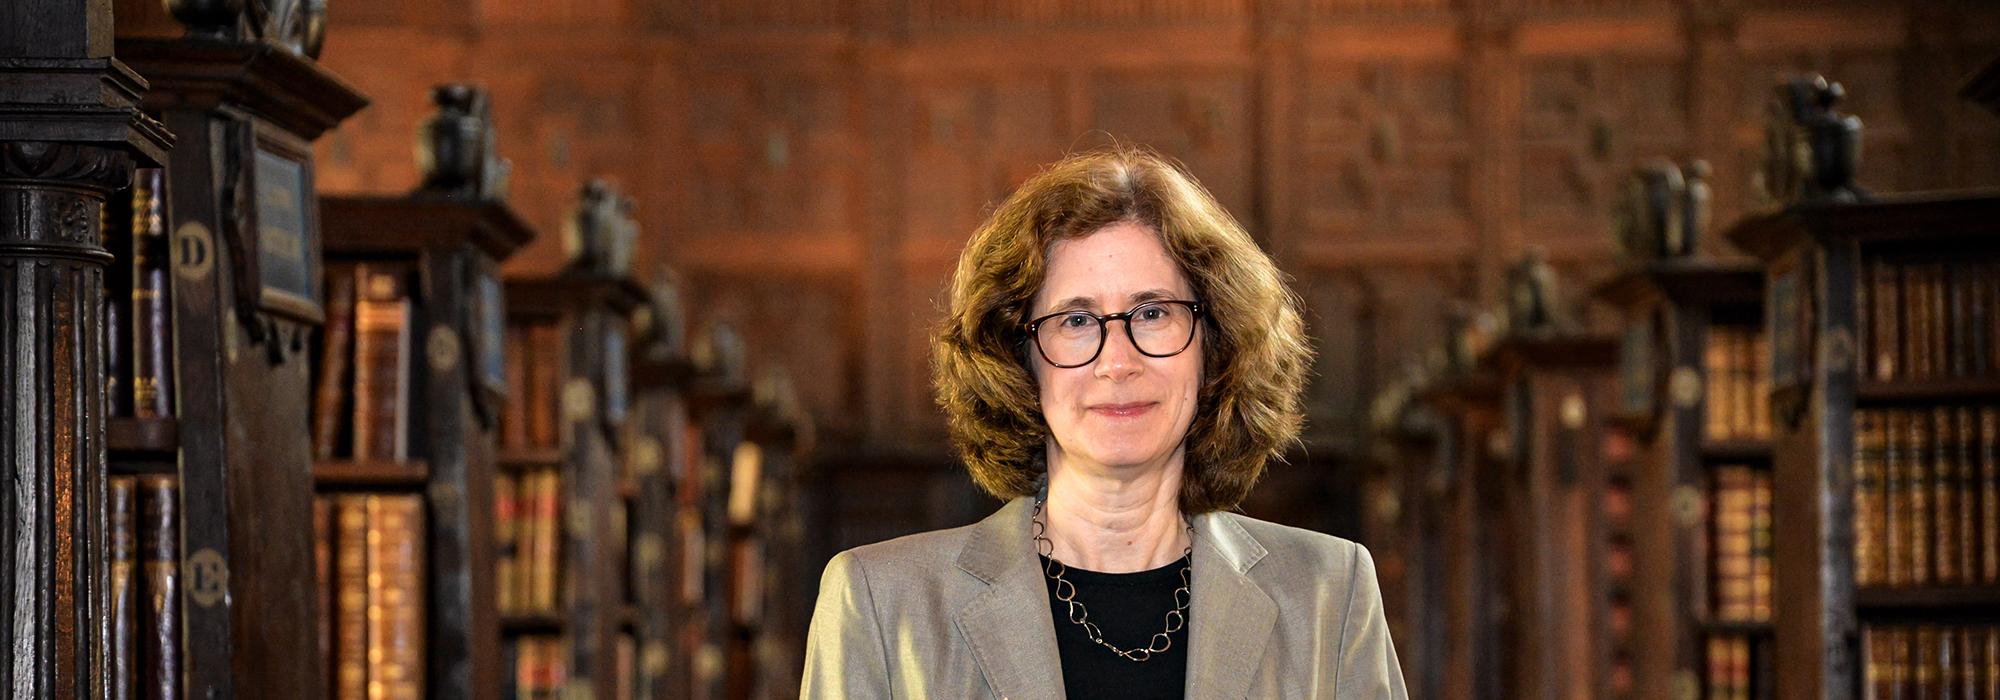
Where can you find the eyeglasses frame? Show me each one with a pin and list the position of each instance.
(1104, 329)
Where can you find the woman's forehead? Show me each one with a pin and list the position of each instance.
(1120, 263)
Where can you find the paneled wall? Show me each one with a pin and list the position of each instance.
(812, 166)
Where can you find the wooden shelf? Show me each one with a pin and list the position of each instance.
(1736, 451)
(120, 467)
(142, 436)
(1751, 629)
(1928, 391)
(517, 460)
(531, 624)
(411, 475)
(1957, 601)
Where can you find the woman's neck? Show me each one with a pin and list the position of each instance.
(1110, 521)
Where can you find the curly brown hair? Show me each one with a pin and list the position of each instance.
(1254, 349)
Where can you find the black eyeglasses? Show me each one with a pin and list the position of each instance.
(1074, 338)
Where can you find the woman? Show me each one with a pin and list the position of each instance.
(1120, 360)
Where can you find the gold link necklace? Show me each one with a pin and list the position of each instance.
(1080, 616)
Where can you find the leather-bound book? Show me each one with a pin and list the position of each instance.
(350, 617)
(121, 509)
(1964, 449)
(1895, 486)
(545, 573)
(159, 560)
(395, 597)
(1760, 548)
(333, 389)
(381, 371)
(1945, 538)
(1989, 494)
(1715, 367)
(1922, 517)
(1869, 509)
(506, 518)
(1884, 321)
(152, 311)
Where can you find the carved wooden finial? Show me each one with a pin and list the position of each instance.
(455, 147)
(1811, 148)
(601, 234)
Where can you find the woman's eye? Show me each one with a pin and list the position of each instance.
(1076, 321)
(1151, 313)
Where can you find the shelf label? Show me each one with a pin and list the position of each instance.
(208, 577)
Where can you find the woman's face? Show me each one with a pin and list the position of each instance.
(1124, 410)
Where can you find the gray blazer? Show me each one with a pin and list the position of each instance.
(1278, 612)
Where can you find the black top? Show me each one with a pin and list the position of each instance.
(1129, 609)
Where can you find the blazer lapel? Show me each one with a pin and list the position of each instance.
(1008, 626)
(1232, 616)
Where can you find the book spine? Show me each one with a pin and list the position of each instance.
(323, 582)
(118, 224)
(1715, 368)
(1959, 330)
(1760, 385)
(1989, 494)
(122, 521)
(1895, 487)
(350, 619)
(1924, 663)
(1917, 292)
(545, 570)
(1742, 354)
(152, 315)
(395, 594)
(380, 337)
(505, 515)
(1732, 544)
(1921, 523)
(1940, 321)
(1885, 324)
(1944, 495)
(159, 558)
(1760, 551)
(336, 348)
(1868, 510)
(1965, 438)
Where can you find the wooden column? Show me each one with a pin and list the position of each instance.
(70, 132)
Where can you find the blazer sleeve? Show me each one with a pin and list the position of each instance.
(845, 653)
(1368, 666)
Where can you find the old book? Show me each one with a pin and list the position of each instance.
(1945, 537)
(1733, 504)
(152, 312)
(1883, 321)
(505, 516)
(544, 376)
(1924, 661)
(159, 560)
(1947, 663)
(1958, 322)
(350, 617)
(117, 307)
(1922, 516)
(1964, 445)
(1869, 509)
(1980, 321)
(514, 418)
(1991, 660)
(381, 370)
(1989, 494)
(331, 394)
(1715, 368)
(1895, 487)
(1743, 360)
(1940, 315)
(545, 573)
(121, 510)
(1901, 676)
(323, 583)
(1966, 660)
(1760, 548)
(395, 597)
(1760, 385)
(1917, 308)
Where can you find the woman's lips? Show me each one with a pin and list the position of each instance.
(1122, 410)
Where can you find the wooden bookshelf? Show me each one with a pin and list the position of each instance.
(445, 246)
(1683, 362)
(1828, 264)
(658, 445)
(1555, 385)
(719, 399)
(236, 205)
(1472, 536)
(584, 397)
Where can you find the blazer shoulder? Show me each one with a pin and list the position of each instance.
(923, 552)
(1295, 548)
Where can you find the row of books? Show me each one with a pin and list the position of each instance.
(1927, 496)
(527, 506)
(1740, 573)
(370, 558)
(1737, 365)
(138, 332)
(145, 647)
(361, 394)
(1930, 318)
(1930, 661)
(1733, 670)
(534, 365)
